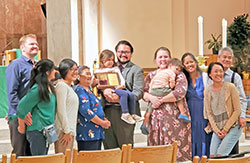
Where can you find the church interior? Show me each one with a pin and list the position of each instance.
(81, 29)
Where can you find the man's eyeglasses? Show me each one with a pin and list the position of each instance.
(125, 52)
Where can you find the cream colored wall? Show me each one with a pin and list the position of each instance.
(212, 11)
(146, 24)
(150, 24)
(179, 23)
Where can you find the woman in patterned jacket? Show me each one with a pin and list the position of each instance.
(91, 122)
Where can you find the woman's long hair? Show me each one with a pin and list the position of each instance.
(196, 62)
(39, 76)
(65, 65)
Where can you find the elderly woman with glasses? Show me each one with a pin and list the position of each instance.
(91, 122)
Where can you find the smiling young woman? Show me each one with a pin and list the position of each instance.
(40, 101)
(67, 106)
(164, 125)
(197, 81)
(222, 108)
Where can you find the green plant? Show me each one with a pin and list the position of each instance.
(238, 39)
(214, 43)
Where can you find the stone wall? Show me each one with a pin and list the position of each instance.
(19, 17)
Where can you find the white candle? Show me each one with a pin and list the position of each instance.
(224, 33)
(200, 36)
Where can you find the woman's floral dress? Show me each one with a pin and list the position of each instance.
(164, 126)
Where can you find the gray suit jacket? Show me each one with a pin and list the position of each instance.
(134, 82)
(134, 79)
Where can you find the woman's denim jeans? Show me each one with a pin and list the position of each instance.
(224, 146)
(37, 142)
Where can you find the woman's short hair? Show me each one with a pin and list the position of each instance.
(211, 65)
(163, 49)
(65, 65)
(80, 70)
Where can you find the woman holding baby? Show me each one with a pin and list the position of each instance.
(164, 125)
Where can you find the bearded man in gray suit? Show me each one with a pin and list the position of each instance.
(121, 132)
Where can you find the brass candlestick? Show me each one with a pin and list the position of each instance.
(94, 68)
(201, 61)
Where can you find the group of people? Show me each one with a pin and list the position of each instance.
(203, 112)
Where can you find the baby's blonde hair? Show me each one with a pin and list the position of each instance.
(175, 62)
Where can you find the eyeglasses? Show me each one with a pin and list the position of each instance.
(73, 70)
(219, 71)
(125, 52)
(85, 74)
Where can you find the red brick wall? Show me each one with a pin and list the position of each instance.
(19, 17)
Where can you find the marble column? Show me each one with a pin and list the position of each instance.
(62, 30)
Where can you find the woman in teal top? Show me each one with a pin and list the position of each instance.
(40, 101)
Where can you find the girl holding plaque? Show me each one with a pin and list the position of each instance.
(127, 98)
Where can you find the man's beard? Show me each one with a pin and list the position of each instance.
(122, 62)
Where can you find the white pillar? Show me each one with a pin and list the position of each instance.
(62, 30)
(200, 32)
(224, 33)
(74, 31)
(90, 31)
